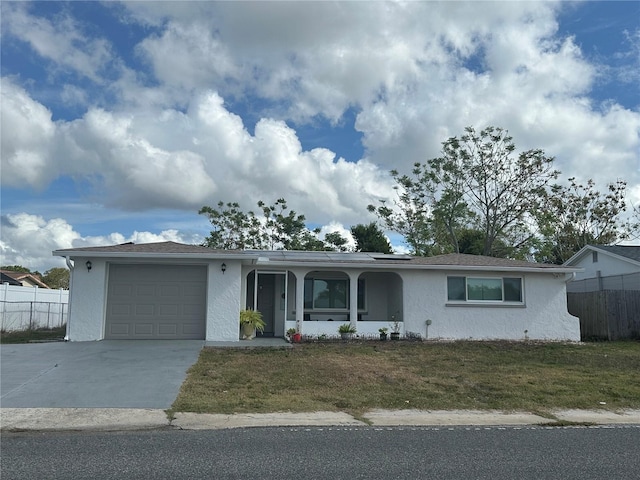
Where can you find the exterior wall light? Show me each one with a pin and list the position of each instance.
(223, 267)
(88, 264)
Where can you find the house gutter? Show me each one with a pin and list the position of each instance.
(399, 266)
(71, 267)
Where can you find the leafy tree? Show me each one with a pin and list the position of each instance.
(633, 223)
(502, 191)
(286, 230)
(21, 269)
(57, 277)
(336, 242)
(409, 215)
(233, 229)
(15, 268)
(478, 184)
(279, 228)
(577, 215)
(369, 238)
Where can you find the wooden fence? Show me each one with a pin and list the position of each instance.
(607, 314)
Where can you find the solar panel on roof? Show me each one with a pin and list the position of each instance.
(390, 256)
(352, 257)
(297, 255)
(290, 255)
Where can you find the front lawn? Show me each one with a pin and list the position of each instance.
(356, 377)
(37, 335)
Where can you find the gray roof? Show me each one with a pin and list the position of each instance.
(160, 247)
(6, 278)
(288, 257)
(18, 277)
(628, 251)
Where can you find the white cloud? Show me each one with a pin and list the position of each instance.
(138, 160)
(28, 240)
(416, 73)
(345, 232)
(60, 40)
(27, 134)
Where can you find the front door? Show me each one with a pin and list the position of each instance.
(266, 304)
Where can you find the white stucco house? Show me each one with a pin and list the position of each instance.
(606, 267)
(173, 291)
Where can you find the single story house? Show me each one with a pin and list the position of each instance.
(174, 291)
(22, 278)
(7, 279)
(606, 267)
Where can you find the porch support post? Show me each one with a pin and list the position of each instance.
(299, 274)
(353, 296)
(243, 286)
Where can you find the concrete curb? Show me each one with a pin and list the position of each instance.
(206, 421)
(456, 417)
(81, 419)
(123, 419)
(600, 417)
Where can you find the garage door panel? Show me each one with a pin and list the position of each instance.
(168, 329)
(193, 289)
(145, 309)
(145, 290)
(170, 291)
(120, 309)
(143, 328)
(122, 290)
(153, 301)
(193, 311)
(168, 310)
(119, 329)
(190, 328)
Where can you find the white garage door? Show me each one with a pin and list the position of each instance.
(156, 302)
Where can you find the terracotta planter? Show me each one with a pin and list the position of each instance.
(296, 338)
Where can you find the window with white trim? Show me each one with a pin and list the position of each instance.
(485, 289)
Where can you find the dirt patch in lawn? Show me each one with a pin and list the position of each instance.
(356, 377)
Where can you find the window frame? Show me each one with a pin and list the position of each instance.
(479, 279)
(362, 294)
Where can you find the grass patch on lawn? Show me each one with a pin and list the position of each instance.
(356, 377)
(38, 335)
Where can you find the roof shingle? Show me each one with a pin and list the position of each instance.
(299, 257)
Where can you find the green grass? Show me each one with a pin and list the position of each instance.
(356, 377)
(27, 336)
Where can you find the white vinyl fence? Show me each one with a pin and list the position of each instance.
(23, 308)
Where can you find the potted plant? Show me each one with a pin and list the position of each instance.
(383, 333)
(290, 333)
(294, 335)
(346, 331)
(250, 322)
(395, 328)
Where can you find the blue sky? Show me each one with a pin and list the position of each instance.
(120, 120)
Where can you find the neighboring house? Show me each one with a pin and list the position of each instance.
(175, 291)
(8, 279)
(606, 267)
(21, 278)
(606, 294)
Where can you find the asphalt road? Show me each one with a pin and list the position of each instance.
(566, 453)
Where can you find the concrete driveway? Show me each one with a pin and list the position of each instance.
(106, 374)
